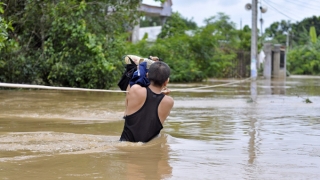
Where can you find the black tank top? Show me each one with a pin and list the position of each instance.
(144, 124)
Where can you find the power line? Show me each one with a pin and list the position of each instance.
(294, 11)
(283, 10)
(304, 4)
(268, 3)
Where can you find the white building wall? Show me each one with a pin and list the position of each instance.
(152, 32)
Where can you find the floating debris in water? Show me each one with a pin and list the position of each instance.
(307, 100)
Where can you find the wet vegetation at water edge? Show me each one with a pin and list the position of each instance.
(81, 43)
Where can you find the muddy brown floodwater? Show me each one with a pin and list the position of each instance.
(260, 130)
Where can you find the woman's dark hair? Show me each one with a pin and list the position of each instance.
(158, 73)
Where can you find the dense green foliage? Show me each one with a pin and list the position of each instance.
(305, 59)
(303, 56)
(198, 54)
(299, 38)
(298, 32)
(79, 43)
(174, 51)
(278, 31)
(66, 43)
(174, 26)
(4, 27)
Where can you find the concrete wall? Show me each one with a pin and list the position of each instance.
(271, 67)
(163, 11)
(267, 69)
(152, 32)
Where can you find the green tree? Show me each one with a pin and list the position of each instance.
(244, 38)
(304, 59)
(4, 27)
(206, 52)
(221, 21)
(214, 44)
(299, 31)
(190, 23)
(277, 31)
(67, 43)
(175, 25)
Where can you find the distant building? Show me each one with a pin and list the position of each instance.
(151, 31)
(164, 11)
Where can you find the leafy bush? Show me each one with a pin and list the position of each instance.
(205, 52)
(305, 59)
(175, 51)
(66, 43)
(75, 56)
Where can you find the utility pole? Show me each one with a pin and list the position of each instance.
(287, 41)
(287, 51)
(254, 47)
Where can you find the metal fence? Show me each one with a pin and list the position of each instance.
(241, 65)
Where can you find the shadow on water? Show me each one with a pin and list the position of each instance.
(249, 130)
